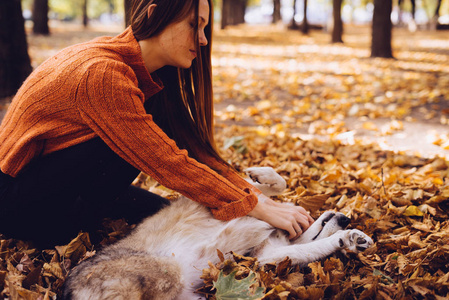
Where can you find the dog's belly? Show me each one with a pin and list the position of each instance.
(188, 232)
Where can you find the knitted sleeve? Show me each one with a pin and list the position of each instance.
(111, 104)
(226, 171)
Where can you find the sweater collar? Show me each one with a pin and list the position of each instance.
(149, 84)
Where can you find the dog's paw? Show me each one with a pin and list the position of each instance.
(355, 240)
(268, 179)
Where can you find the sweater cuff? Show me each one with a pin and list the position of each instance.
(236, 209)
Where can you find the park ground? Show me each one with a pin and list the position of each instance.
(266, 76)
(366, 136)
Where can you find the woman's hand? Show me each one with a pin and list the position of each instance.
(293, 219)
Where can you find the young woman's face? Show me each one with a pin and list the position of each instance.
(177, 40)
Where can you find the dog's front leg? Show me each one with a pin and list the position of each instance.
(267, 180)
(303, 254)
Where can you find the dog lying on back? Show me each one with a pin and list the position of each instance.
(164, 256)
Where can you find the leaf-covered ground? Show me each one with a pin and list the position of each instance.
(401, 201)
(326, 118)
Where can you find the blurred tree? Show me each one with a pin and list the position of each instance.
(436, 15)
(304, 27)
(381, 29)
(69, 10)
(337, 30)
(411, 23)
(293, 24)
(15, 64)
(233, 12)
(111, 5)
(305, 22)
(401, 8)
(85, 16)
(276, 11)
(40, 17)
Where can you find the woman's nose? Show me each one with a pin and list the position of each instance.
(202, 39)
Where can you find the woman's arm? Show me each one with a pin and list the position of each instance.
(111, 104)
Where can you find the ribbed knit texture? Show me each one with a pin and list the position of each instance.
(98, 88)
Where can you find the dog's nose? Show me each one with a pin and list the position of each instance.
(343, 221)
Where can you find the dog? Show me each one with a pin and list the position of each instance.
(163, 257)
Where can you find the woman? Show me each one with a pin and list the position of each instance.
(90, 118)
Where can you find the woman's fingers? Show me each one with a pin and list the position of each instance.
(310, 219)
(292, 225)
(300, 209)
(303, 218)
(304, 212)
(298, 219)
(298, 231)
(303, 221)
(293, 219)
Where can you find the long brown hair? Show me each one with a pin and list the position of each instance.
(184, 108)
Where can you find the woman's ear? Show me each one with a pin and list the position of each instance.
(151, 10)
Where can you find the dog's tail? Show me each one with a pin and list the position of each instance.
(118, 273)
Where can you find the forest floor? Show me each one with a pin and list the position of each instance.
(366, 136)
(315, 87)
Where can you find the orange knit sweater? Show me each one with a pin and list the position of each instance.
(98, 88)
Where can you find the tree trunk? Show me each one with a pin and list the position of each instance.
(15, 63)
(381, 29)
(128, 7)
(276, 11)
(40, 17)
(233, 12)
(413, 8)
(225, 8)
(240, 6)
(85, 17)
(437, 10)
(305, 23)
(293, 25)
(337, 31)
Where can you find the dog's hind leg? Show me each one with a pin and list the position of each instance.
(125, 277)
(303, 254)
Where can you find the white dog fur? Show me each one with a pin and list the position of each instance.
(164, 256)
